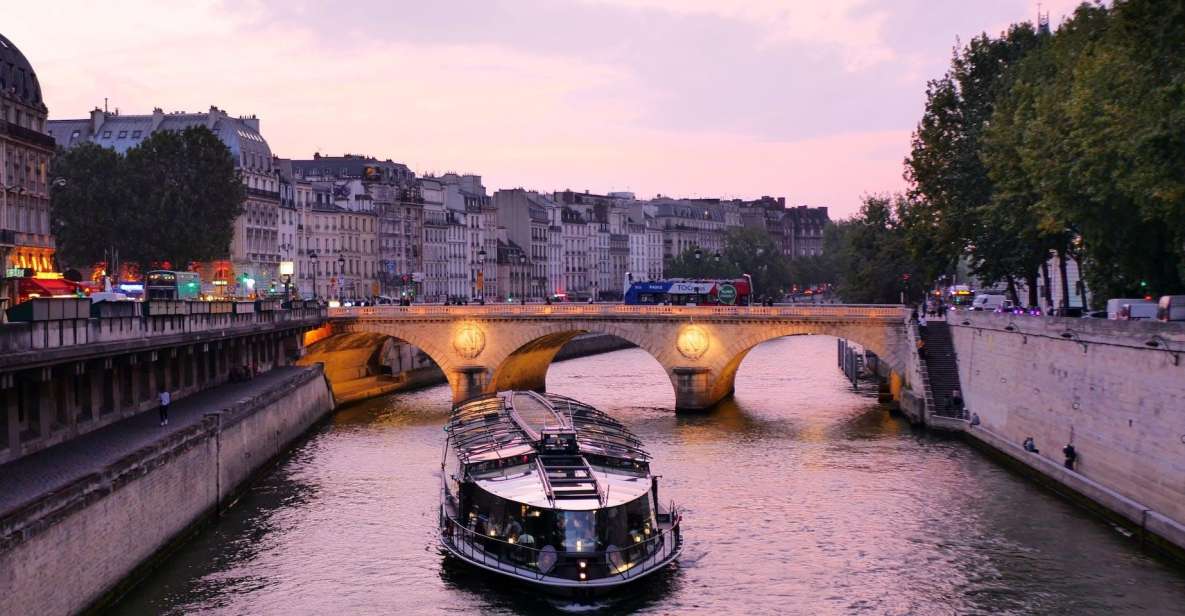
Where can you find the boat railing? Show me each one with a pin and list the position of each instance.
(623, 563)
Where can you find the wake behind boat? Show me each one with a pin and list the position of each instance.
(553, 492)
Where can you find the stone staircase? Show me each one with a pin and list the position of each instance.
(941, 367)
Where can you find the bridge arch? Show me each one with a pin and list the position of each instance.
(482, 351)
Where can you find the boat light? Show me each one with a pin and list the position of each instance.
(510, 540)
(583, 564)
(583, 575)
(491, 533)
(579, 545)
(637, 539)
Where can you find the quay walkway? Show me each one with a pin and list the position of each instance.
(28, 478)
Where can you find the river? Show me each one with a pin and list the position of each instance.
(800, 496)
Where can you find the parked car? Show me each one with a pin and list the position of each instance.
(1115, 305)
(1096, 314)
(1072, 312)
(1171, 308)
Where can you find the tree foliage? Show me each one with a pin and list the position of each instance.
(871, 254)
(174, 198)
(1069, 144)
(751, 251)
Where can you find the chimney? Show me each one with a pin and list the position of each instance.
(98, 117)
(158, 116)
(252, 122)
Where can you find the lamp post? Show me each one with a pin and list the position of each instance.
(341, 275)
(522, 275)
(313, 272)
(481, 277)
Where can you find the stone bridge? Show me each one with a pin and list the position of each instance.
(484, 349)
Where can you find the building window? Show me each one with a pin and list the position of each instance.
(106, 134)
(136, 134)
(123, 134)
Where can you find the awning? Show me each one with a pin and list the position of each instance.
(47, 287)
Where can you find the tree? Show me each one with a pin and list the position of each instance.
(188, 195)
(950, 213)
(746, 251)
(89, 209)
(872, 260)
(174, 198)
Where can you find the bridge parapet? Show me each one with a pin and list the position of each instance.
(44, 335)
(862, 312)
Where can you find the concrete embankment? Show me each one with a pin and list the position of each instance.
(358, 357)
(1115, 391)
(81, 543)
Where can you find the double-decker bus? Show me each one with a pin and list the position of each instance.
(689, 292)
(166, 284)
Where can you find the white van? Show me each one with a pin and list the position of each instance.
(1139, 311)
(988, 303)
(1171, 308)
(1115, 308)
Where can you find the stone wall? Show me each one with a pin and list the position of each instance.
(77, 546)
(1114, 389)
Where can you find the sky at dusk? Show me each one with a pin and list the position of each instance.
(814, 101)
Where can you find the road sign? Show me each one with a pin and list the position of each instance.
(727, 294)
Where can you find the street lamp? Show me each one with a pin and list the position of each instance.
(481, 279)
(522, 275)
(699, 255)
(341, 275)
(313, 258)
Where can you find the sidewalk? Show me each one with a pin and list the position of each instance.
(29, 477)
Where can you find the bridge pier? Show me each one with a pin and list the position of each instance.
(694, 389)
(469, 382)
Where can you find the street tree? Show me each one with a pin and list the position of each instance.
(187, 196)
(89, 210)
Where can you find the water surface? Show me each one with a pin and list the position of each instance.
(801, 496)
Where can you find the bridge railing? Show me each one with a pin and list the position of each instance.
(868, 311)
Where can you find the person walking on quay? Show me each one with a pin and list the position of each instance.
(165, 399)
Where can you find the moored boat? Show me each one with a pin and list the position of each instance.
(552, 492)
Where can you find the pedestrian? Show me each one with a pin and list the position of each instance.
(1071, 455)
(956, 398)
(1030, 445)
(165, 399)
(921, 349)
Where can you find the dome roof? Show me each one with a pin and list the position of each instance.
(17, 79)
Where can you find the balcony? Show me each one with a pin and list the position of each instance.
(28, 136)
(263, 194)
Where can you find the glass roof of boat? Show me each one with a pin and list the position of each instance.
(508, 424)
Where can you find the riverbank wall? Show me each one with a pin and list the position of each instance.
(403, 367)
(1114, 390)
(83, 545)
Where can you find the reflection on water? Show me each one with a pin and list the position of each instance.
(800, 495)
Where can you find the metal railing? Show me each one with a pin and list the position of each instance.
(616, 564)
(823, 311)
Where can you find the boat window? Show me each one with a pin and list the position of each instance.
(576, 531)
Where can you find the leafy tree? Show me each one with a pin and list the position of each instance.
(188, 195)
(746, 251)
(89, 207)
(872, 260)
(950, 214)
(174, 198)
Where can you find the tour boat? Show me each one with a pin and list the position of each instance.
(553, 492)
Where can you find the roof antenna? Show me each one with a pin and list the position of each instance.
(104, 104)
